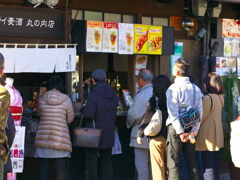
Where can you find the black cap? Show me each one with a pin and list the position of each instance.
(99, 74)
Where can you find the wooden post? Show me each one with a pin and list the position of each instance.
(80, 75)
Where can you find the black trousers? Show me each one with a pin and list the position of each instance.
(174, 149)
(61, 168)
(103, 158)
(210, 161)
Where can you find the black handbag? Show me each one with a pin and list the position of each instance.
(86, 137)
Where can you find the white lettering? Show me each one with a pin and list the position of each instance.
(29, 23)
(43, 23)
(19, 21)
(36, 23)
(11, 21)
(51, 24)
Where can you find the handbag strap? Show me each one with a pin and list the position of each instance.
(211, 101)
(80, 124)
(156, 99)
(194, 91)
(220, 100)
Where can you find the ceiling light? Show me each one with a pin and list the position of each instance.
(51, 3)
(36, 2)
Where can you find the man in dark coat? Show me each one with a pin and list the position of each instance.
(101, 107)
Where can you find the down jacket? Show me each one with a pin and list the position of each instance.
(102, 107)
(56, 112)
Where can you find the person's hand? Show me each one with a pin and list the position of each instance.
(193, 134)
(184, 137)
(139, 140)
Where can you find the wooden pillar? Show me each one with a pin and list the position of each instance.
(155, 65)
(131, 75)
(80, 75)
(68, 75)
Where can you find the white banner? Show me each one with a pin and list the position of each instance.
(26, 60)
(46, 60)
(66, 59)
(39, 60)
(9, 55)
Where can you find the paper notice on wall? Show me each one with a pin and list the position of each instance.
(126, 35)
(110, 37)
(17, 149)
(117, 148)
(26, 60)
(141, 63)
(94, 36)
(66, 60)
(9, 56)
(227, 49)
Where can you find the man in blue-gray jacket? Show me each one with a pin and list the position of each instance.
(134, 119)
(101, 106)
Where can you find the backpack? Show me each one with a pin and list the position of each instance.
(188, 115)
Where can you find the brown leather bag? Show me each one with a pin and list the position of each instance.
(86, 137)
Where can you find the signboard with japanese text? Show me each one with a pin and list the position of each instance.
(155, 40)
(26, 22)
(125, 38)
(94, 36)
(110, 37)
(140, 39)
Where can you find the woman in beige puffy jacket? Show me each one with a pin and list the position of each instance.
(52, 140)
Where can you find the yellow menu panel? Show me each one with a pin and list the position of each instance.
(155, 40)
(140, 39)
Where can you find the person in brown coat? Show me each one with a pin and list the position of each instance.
(52, 140)
(210, 135)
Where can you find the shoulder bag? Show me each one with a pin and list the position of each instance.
(189, 115)
(155, 124)
(86, 137)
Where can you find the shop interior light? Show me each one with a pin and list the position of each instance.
(36, 2)
(50, 3)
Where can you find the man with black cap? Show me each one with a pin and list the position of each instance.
(5, 111)
(101, 106)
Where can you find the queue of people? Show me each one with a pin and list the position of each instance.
(156, 157)
(165, 153)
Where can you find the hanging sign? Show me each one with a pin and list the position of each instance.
(110, 37)
(155, 40)
(140, 39)
(125, 38)
(31, 22)
(94, 36)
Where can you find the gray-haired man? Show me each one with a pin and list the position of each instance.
(134, 119)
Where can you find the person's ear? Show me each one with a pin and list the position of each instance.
(1, 72)
(105, 80)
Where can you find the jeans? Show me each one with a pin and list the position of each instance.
(61, 168)
(105, 163)
(210, 161)
(174, 149)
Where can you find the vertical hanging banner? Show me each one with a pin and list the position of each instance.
(140, 39)
(110, 37)
(155, 40)
(17, 149)
(66, 59)
(125, 45)
(94, 36)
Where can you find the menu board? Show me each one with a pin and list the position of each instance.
(94, 36)
(125, 38)
(223, 64)
(140, 39)
(230, 28)
(110, 37)
(235, 47)
(155, 40)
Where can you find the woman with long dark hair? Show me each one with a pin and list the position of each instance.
(210, 135)
(157, 144)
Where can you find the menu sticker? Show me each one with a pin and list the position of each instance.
(110, 37)
(227, 47)
(125, 38)
(155, 40)
(235, 47)
(94, 36)
(140, 39)
(228, 28)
